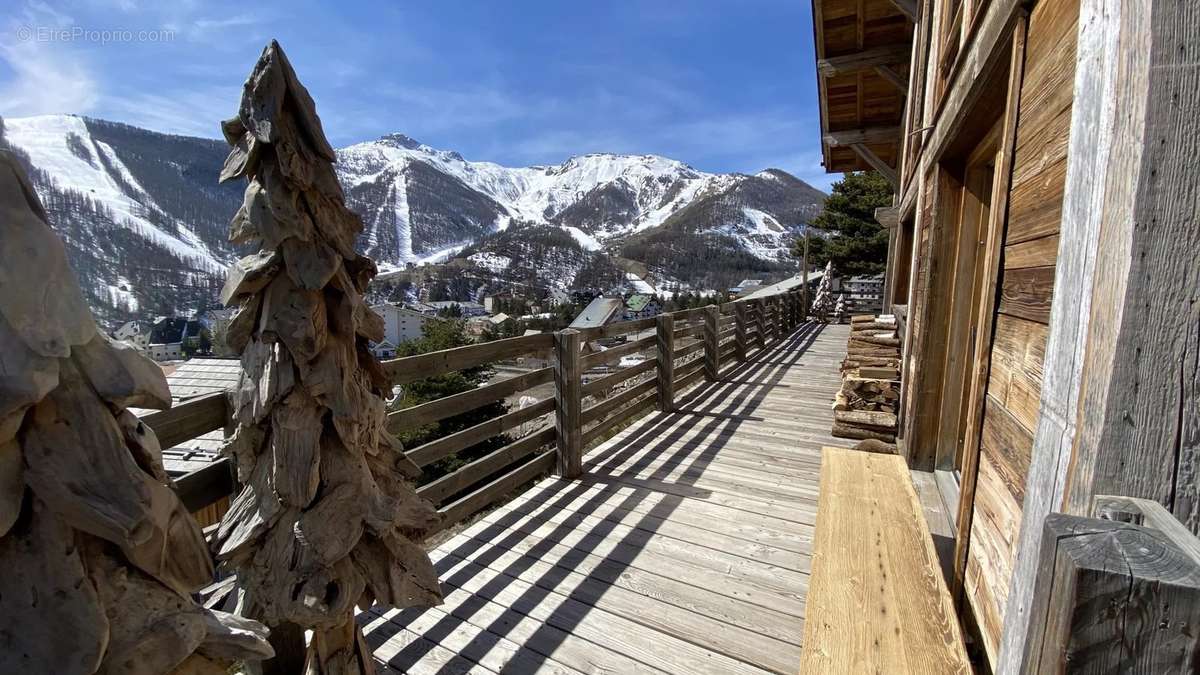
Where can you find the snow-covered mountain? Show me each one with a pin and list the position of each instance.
(598, 198)
(146, 222)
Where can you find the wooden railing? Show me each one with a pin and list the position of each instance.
(1116, 592)
(589, 403)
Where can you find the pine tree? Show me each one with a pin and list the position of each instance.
(856, 243)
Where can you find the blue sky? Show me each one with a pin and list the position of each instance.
(723, 86)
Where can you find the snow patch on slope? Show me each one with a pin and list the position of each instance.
(46, 139)
(762, 223)
(587, 241)
(491, 262)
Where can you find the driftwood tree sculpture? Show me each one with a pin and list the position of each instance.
(326, 518)
(823, 301)
(98, 557)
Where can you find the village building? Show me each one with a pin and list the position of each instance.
(599, 312)
(135, 333)
(864, 293)
(172, 338)
(492, 303)
(400, 324)
(641, 306)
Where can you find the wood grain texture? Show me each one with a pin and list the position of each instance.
(1026, 293)
(1040, 252)
(1148, 586)
(986, 318)
(1126, 290)
(897, 616)
(665, 345)
(568, 371)
(189, 419)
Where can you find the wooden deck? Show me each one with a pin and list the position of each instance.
(685, 548)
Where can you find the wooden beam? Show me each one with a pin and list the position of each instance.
(885, 55)
(568, 402)
(908, 8)
(864, 135)
(983, 52)
(1112, 597)
(1118, 408)
(666, 362)
(888, 216)
(895, 78)
(206, 485)
(879, 165)
(189, 419)
(712, 348)
(411, 368)
(1150, 514)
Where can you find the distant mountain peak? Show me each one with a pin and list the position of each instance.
(403, 141)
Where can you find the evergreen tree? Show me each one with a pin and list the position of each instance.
(856, 243)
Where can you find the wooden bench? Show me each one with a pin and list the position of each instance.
(877, 600)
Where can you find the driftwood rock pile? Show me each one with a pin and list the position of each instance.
(865, 406)
(100, 558)
(326, 518)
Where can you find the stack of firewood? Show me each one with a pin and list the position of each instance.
(874, 345)
(865, 406)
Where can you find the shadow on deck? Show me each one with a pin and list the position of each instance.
(684, 548)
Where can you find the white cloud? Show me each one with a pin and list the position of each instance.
(189, 113)
(46, 79)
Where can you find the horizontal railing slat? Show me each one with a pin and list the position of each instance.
(625, 415)
(610, 404)
(615, 353)
(692, 348)
(690, 366)
(432, 451)
(480, 499)
(485, 466)
(615, 329)
(411, 368)
(189, 419)
(455, 404)
(206, 485)
(688, 380)
(609, 381)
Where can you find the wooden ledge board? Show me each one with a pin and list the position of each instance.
(877, 601)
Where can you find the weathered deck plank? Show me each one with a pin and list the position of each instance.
(684, 548)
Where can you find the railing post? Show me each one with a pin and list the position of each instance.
(1100, 583)
(712, 345)
(739, 318)
(761, 322)
(666, 362)
(790, 303)
(567, 383)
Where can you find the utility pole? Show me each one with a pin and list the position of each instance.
(804, 273)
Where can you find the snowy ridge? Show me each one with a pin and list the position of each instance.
(658, 186)
(62, 146)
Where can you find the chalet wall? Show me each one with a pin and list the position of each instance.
(1019, 339)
